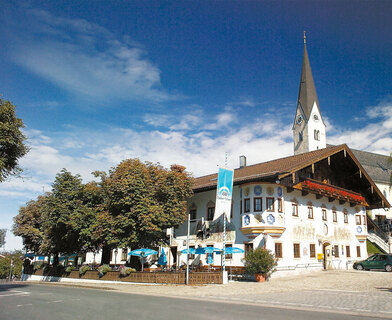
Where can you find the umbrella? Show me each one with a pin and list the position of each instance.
(210, 258)
(201, 250)
(143, 252)
(231, 250)
(162, 261)
(191, 251)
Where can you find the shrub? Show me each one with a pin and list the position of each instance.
(84, 269)
(260, 261)
(104, 269)
(69, 269)
(126, 271)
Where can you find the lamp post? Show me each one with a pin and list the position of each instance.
(187, 249)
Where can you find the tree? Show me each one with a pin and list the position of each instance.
(66, 218)
(3, 232)
(5, 264)
(145, 199)
(28, 223)
(12, 146)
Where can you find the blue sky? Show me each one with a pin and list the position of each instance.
(185, 81)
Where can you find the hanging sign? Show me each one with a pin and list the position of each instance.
(224, 193)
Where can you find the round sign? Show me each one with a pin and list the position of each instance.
(246, 220)
(257, 190)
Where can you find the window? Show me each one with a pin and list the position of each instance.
(364, 220)
(232, 210)
(345, 214)
(357, 219)
(294, 208)
(317, 135)
(310, 212)
(248, 248)
(324, 214)
(210, 213)
(280, 205)
(124, 254)
(247, 205)
(336, 251)
(228, 256)
(240, 206)
(258, 204)
(297, 253)
(348, 254)
(270, 204)
(358, 251)
(335, 216)
(312, 249)
(300, 136)
(278, 250)
(192, 214)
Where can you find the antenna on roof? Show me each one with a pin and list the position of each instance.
(304, 37)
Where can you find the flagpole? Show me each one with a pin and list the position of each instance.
(187, 250)
(224, 231)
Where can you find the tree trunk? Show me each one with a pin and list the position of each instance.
(106, 255)
(55, 259)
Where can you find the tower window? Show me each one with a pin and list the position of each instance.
(300, 136)
(317, 135)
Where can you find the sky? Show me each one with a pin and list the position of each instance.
(98, 82)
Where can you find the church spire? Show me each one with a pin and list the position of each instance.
(307, 91)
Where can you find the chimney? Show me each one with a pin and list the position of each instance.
(242, 162)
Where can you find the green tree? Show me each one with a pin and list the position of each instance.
(66, 218)
(5, 264)
(3, 232)
(12, 146)
(144, 200)
(28, 223)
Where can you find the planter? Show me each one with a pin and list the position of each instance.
(260, 277)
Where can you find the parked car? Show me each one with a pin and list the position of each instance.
(376, 261)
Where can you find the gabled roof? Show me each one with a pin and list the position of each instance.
(307, 91)
(376, 165)
(284, 167)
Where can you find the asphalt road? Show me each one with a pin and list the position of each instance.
(36, 301)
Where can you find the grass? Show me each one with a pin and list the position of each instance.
(371, 248)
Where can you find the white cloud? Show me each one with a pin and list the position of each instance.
(85, 59)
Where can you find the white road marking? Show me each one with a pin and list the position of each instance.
(22, 305)
(15, 293)
(56, 301)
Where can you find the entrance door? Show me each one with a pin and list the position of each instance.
(327, 251)
(174, 254)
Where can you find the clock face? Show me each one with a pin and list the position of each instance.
(315, 117)
(299, 119)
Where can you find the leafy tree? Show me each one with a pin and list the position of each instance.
(143, 200)
(261, 261)
(67, 218)
(12, 146)
(28, 223)
(3, 232)
(5, 264)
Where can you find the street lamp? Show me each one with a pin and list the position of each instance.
(115, 255)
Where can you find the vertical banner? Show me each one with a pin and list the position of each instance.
(224, 193)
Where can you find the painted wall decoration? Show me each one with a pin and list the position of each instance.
(280, 219)
(259, 218)
(280, 191)
(270, 191)
(303, 232)
(359, 229)
(305, 251)
(246, 220)
(342, 234)
(325, 230)
(271, 219)
(246, 191)
(257, 190)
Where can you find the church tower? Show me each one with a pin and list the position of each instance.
(308, 128)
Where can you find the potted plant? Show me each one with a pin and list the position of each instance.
(261, 263)
(102, 270)
(84, 269)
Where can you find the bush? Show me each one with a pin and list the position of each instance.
(84, 269)
(126, 271)
(69, 269)
(104, 269)
(260, 261)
